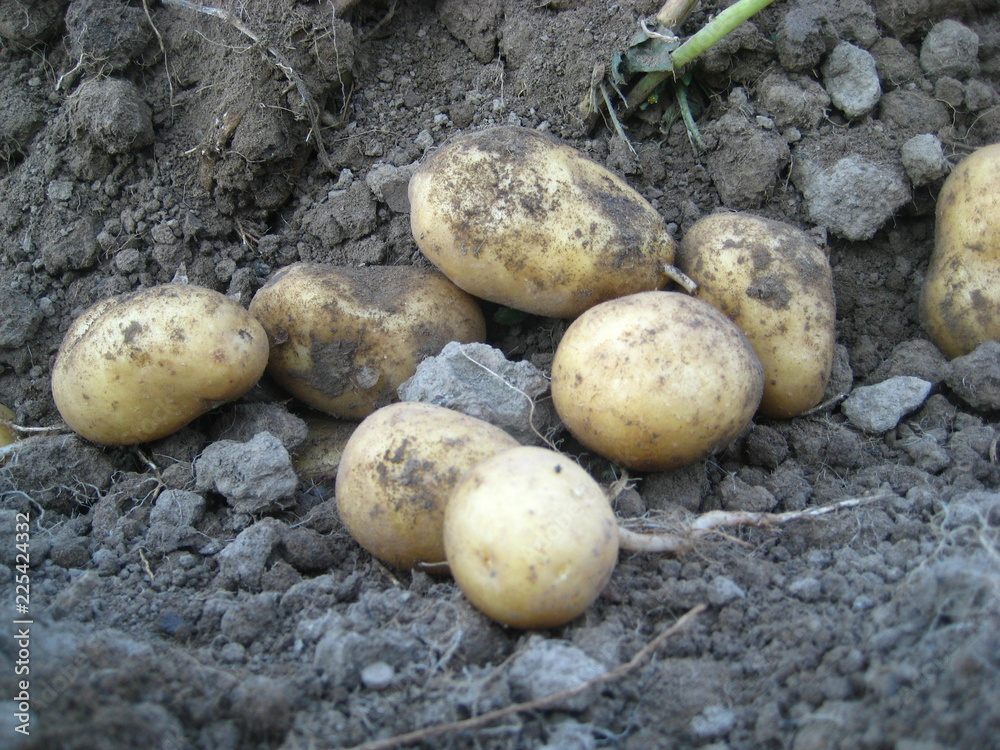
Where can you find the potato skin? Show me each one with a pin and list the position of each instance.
(7, 434)
(397, 472)
(530, 537)
(515, 217)
(775, 283)
(140, 366)
(316, 460)
(343, 339)
(960, 299)
(655, 380)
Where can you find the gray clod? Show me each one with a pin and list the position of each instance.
(879, 408)
(714, 722)
(547, 666)
(851, 80)
(975, 377)
(178, 508)
(923, 159)
(254, 477)
(950, 49)
(390, 185)
(243, 561)
(480, 381)
(853, 198)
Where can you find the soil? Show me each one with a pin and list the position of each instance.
(142, 143)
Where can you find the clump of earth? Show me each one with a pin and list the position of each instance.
(198, 592)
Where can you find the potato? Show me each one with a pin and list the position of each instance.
(775, 283)
(343, 339)
(140, 366)
(530, 537)
(7, 434)
(397, 472)
(960, 300)
(317, 459)
(515, 217)
(655, 380)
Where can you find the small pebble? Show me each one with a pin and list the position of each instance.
(723, 590)
(424, 140)
(851, 80)
(377, 675)
(807, 589)
(232, 653)
(923, 159)
(714, 722)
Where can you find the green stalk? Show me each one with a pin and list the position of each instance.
(701, 42)
(680, 90)
(721, 25)
(642, 91)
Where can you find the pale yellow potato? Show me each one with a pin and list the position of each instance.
(7, 434)
(316, 461)
(140, 366)
(397, 472)
(960, 300)
(513, 216)
(775, 283)
(530, 537)
(655, 380)
(344, 339)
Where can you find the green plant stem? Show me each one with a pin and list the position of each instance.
(701, 42)
(710, 35)
(642, 91)
(680, 90)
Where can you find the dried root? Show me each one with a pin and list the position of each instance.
(686, 537)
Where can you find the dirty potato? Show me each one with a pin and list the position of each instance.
(140, 366)
(397, 472)
(343, 339)
(960, 300)
(655, 380)
(7, 434)
(316, 460)
(530, 537)
(515, 217)
(775, 283)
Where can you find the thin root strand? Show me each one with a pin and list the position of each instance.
(678, 543)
